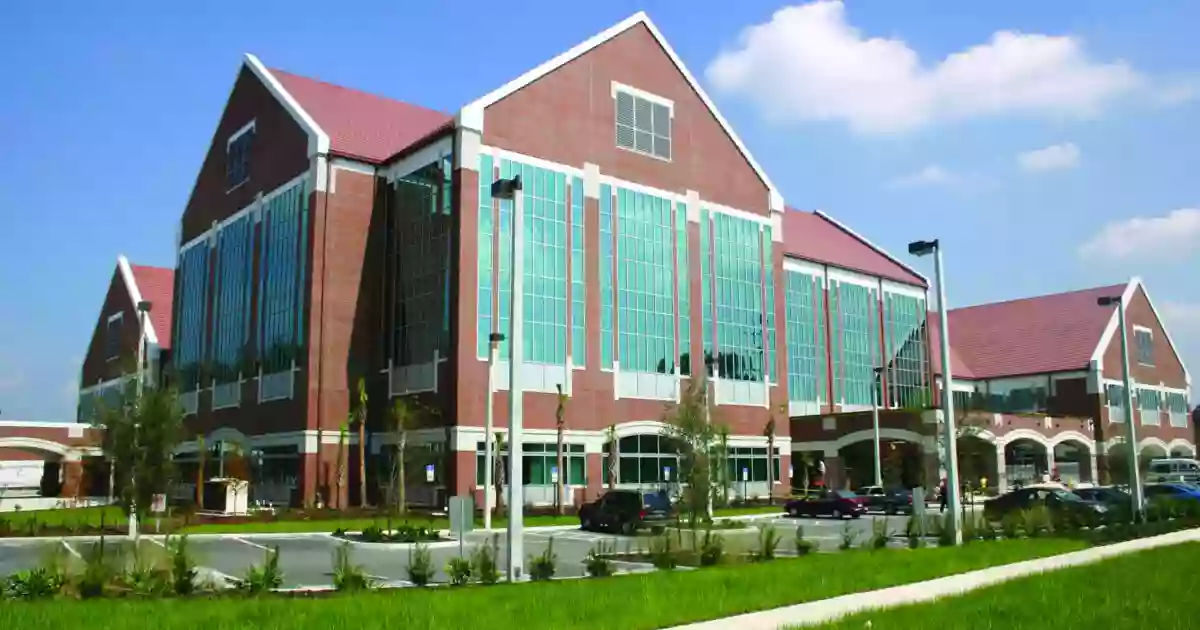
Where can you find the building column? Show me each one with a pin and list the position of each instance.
(72, 476)
(784, 489)
(596, 476)
(1100, 466)
(1092, 465)
(834, 477)
(1001, 468)
(1051, 465)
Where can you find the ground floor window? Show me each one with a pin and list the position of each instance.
(645, 459)
(538, 462)
(749, 463)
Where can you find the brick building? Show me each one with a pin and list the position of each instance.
(1038, 387)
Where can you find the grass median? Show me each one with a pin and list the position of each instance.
(1150, 589)
(653, 600)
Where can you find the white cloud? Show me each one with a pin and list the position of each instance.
(809, 64)
(1182, 316)
(932, 175)
(1175, 236)
(1053, 157)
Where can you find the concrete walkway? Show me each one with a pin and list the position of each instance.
(826, 610)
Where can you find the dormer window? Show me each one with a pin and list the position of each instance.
(237, 156)
(643, 121)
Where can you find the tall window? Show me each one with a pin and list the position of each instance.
(112, 336)
(749, 464)
(237, 156)
(645, 282)
(1144, 340)
(681, 287)
(738, 277)
(1150, 402)
(606, 277)
(283, 252)
(419, 243)
(806, 370)
(1177, 406)
(578, 277)
(643, 123)
(487, 231)
(1115, 397)
(231, 309)
(538, 462)
(191, 299)
(646, 459)
(905, 347)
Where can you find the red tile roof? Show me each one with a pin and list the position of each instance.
(1049, 333)
(157, 285)
(959, 369)
(361, 125)
(813, 236)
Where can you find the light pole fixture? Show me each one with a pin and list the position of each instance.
(494, 340)
(953, 498)
(1135, 482)
(875, 425)
(511, 190)
(143, 311)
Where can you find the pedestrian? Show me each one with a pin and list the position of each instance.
(942, 498)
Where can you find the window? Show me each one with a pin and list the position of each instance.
(1150, 402)
(854, 340)
(645, 311)
(1144, 340)
(1115, 395)
(538, 462)
(191, 314)
(738, 301)
(643, 122)
(646, 459)
(805, 337)
(112, 336)
(282, 254)
(237, 156)
(1177, 406)
(749, 464)
(905, 343)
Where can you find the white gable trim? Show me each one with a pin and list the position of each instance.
(868, 243)
(471, 115)
(318, 140)
(135, 295)
(1110, 330)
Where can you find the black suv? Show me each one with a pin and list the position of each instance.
(625, 511)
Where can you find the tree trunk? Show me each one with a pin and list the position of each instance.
(320, 472)
(562, 476)
(341, 469)
(498, 474)
(771, 468)
(401, 490)
(362, 459)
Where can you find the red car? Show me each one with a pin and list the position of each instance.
(835, 503)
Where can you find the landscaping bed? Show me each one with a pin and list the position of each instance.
(651, 600)
(1148, 589)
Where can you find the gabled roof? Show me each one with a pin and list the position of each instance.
(472, 114)
(958, 368)
(1049, 333)
(157, 285)
(818, 237)
(360, 125)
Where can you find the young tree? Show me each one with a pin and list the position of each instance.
(560, 424)
(362, 442)
(141, 432)
(200, 455)
(343, 433)
(613, 454)
(721, 464)
(770, 433)
(688, 424)
(321, 480)
(498, 473)
(403, 419)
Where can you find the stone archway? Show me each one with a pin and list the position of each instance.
(1182, 448)
(1026, 461)
(902, 459)
(1151, 449)
(977, 461)
(34, 466)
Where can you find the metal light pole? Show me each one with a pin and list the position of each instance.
(494, 340)
(953, 499)
(510, 189)
(1135, 481)
(875, 428)
(143, 311)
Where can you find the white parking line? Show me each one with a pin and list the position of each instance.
(228, 579)
(72, 550)
(247, 542)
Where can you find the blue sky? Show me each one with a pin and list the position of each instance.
(905, 119)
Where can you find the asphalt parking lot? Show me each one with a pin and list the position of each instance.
(307, 559)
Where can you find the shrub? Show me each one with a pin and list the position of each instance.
(38, 583)
(459, 570)
(420, 565)
(803, 547)
(880, 533)
(597, 562)
(849, 536)
(945, 531)
(348, 576)
(264, 578)
(542, 566)
(1010, 525)
(768, 542)
(662, 552)
(373, 533)
(183, 566)
(97, 573)
(147, 580)
(1035, 521)
(712, 548)
(484, 561)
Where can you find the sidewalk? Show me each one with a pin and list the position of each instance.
(831, 609)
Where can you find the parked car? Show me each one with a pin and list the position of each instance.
(887, 500)
(1108, 495)
(625, 511)
(826, 502)
(1055, 499)
(1183, 491)
(1173, 469)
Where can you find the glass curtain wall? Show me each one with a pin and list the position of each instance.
(645, 283)
(419, 250)
(905, 344)
(231, 308)
(283, 252)
(854, 310)
(735, 305)
(191, 315)
(806, 359)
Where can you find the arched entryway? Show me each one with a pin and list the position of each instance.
(1073, 457)
(977, 461)
(1182, 448)
(1025, 461)
(901, 453)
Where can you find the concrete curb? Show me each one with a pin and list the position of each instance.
(826, 610)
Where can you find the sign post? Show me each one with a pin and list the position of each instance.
(158, 505)
(462, 518)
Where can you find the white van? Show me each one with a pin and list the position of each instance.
(1173, 469)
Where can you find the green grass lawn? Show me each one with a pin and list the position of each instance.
(87, 516)
(650, 600)
(1150, 589)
